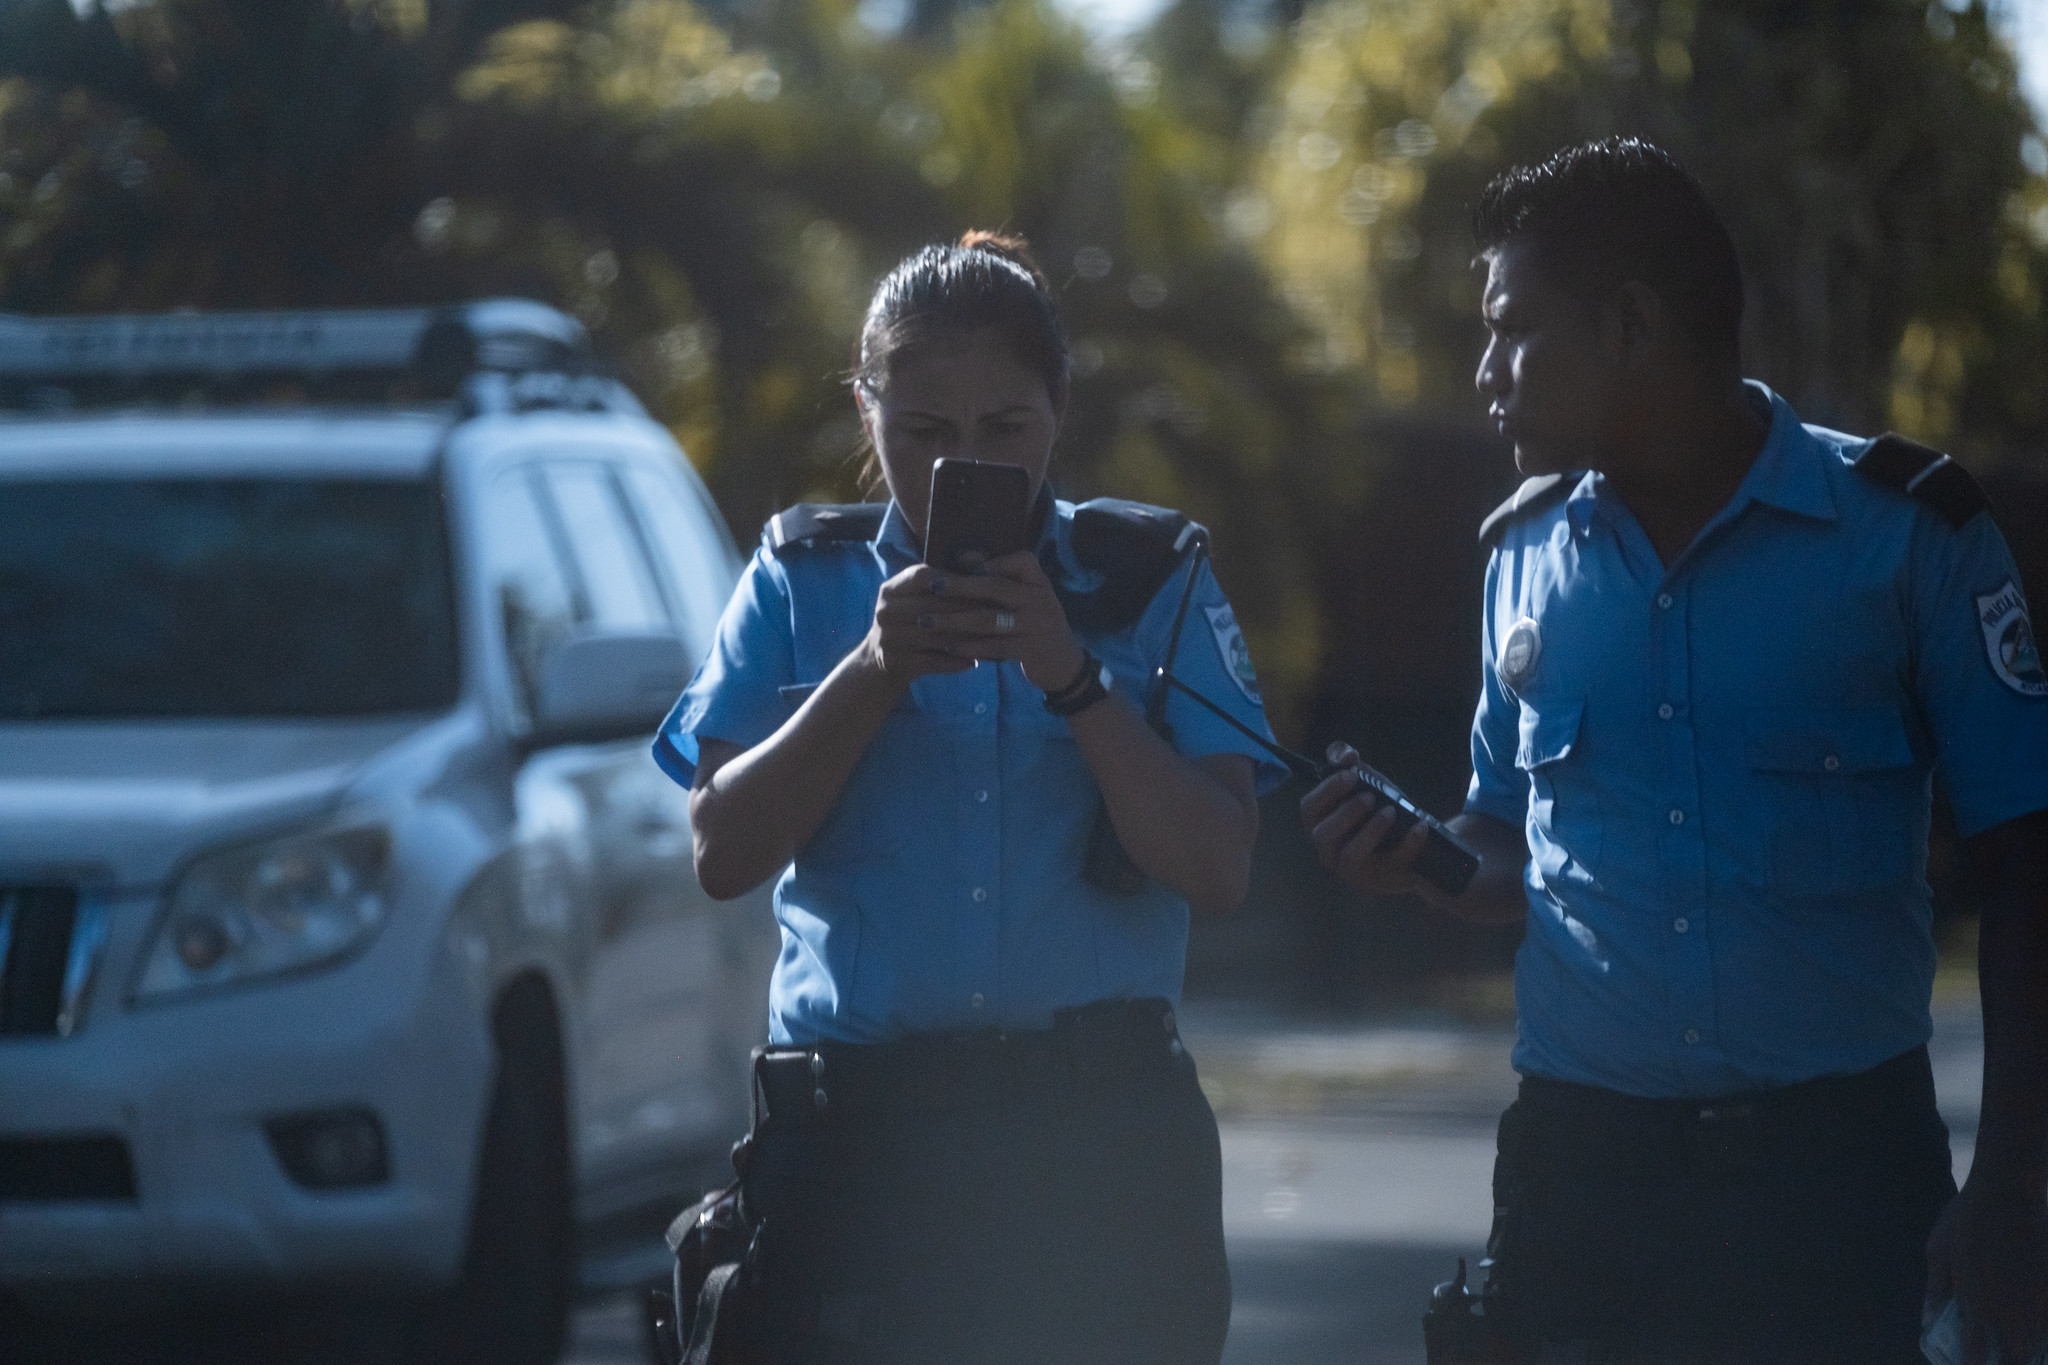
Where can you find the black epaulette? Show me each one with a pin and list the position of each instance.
(1909, 467)
(1136, 548)
(823, 523)
(1534, 495)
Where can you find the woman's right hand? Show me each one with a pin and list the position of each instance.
(910, 637)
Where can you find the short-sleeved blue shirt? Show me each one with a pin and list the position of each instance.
(944, 890)
(1724, 767)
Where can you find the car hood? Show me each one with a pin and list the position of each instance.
(125, 803)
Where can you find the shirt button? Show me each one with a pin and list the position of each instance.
(1664, 600)
(1678, 817)
(1665, 712)
(981, 795)
(1681, 924)
(978, 1001)
(1831, 763)
(981, 708)
(1692, 1035)
(980, 893)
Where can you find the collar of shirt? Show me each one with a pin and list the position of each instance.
(1786, 474)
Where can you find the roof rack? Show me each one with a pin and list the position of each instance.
(493, 355)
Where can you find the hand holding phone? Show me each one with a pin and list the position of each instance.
(979, 511)
(1443, 861)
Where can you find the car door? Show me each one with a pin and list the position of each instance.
(656, 1036)
(697, 568)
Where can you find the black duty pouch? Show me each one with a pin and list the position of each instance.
(710, 1314)
(1467, 1326)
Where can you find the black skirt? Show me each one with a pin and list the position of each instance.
(987, 1199)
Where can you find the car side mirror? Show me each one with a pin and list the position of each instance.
(607, 686)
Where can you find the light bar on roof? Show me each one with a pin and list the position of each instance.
(498, 334)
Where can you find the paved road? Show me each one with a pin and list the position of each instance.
(1356, 1169)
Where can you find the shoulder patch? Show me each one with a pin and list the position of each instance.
(1237, 655)
(2009, 645)
(1534, 495)
(1135, 547)
(1925, 473)
(823, 523)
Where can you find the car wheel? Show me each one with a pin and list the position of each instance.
(512, 1304)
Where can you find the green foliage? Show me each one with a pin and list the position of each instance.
(1868, 156)
(1258, 231)
(714, 198)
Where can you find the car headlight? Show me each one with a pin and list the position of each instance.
(279, 906)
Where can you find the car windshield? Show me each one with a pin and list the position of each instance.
(189, 597)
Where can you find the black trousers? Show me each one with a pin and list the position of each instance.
(1780, 1227)
(979, 1200)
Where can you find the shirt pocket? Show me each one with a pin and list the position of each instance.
(903, 784)
(853, 829)
(1842, 797)
(1564, 802)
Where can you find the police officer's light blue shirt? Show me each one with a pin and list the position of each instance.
(1724, 768)
(944, 890)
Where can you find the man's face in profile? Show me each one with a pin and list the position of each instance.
(1548, 380)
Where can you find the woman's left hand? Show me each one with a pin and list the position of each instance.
(1009, 612)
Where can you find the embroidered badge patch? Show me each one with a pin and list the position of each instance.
(2009, 640)
(1519, 653)
(1237, 656)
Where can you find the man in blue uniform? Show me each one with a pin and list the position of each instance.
(1725, 655)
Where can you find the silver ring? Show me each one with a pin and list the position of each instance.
(1005, 621)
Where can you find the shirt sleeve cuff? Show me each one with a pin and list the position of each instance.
(1269, 774)
(1976, 813)
(676, 755)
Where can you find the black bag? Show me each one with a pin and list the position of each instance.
(710, 1314)
(1468, 1327)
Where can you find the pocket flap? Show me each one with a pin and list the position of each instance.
(1832, 740)
(1548, 732)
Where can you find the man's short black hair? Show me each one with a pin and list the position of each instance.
(1600, 214)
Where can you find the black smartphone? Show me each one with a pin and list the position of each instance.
(978, 508)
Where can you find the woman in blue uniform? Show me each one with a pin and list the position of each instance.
(983, 1140)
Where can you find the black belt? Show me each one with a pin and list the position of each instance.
(1907, 1076)
(1108, 1041)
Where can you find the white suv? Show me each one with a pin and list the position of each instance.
(348, 935)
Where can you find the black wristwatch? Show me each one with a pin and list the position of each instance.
(1090, 685)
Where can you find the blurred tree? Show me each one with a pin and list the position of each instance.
(1872, 157)
(220, 151)
(1259, 232)
(715, 197)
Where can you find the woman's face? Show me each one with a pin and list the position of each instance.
(965, 398)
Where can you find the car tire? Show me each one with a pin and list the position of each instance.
(512, 1304)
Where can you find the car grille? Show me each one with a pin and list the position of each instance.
(44, 959)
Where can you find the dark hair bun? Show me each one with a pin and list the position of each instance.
(1011, 248)
(987, 281)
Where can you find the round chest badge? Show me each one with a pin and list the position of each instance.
(2009, 641)
(1519, 653)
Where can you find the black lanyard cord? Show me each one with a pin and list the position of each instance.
(1155, 695)
(1302, 767)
